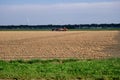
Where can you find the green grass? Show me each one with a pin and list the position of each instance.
(56, 69)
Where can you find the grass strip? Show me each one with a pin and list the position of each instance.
(56, 69)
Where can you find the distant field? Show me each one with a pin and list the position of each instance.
(69, 44)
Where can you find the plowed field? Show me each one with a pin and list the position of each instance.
(69, 44)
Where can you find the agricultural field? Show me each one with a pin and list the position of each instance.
(59, 55)
(59, 44)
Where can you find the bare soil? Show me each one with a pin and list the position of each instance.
(68, 44)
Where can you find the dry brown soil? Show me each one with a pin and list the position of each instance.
(69, 44)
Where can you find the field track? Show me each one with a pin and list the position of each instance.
(69, 44)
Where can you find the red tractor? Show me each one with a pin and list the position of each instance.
(60, 29)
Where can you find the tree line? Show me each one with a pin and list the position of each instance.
(69, 26)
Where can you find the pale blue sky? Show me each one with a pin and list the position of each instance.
(49, 1)
(39, 12)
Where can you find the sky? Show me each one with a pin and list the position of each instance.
(59, 12)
